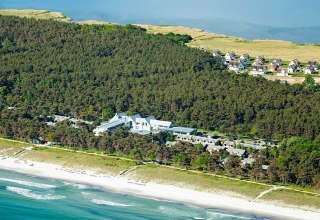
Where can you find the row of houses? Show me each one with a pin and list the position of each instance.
(259, 67)
(141, 125)
(74, 122)
(217, 144)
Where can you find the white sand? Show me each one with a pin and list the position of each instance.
(159, 191)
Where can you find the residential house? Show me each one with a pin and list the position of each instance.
(277, 61)
(236, 66)
(258, 70)
(217, 53)
(230, 56)
(196, 139)
(283, 72)
(212, 147)
(248, 161)
(273, 67)
(259, 61)
(182, 130)
(244, 59)
(229, 144)
(170, 144)
(293, 66)
(310, 70)
(314, 64)
(294, 62)
(236, 152)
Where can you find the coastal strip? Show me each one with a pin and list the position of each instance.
(152, 190)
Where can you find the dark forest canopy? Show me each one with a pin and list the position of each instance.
(49, 67)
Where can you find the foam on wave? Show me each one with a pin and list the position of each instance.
(109, 203)
(217, 215)
(79, 186)
(26, 183)
(30, 194)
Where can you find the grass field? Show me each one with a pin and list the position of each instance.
(270, 48)
(38, 14)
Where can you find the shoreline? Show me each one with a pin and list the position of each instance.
(153, 190)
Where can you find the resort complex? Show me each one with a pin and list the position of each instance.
(140, 125)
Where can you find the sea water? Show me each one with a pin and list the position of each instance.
(24, 197)
(294, 20)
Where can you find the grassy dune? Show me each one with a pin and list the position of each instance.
(270, 48)
(197, 181)
(38, 14)
(100, 164)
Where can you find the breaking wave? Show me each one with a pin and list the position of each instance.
(26, 183)
(79, 186)
(109, 203)
(217, 215)
(29, 194)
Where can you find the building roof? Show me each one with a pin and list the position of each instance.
(235, 151)
(139, 132)
(109, 125)
(154, 122)
(182, 129)
(170, 143)
(59, 118)
(211, 147)
(134, 117)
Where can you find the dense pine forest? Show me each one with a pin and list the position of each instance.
(91, 72)
(48, 67)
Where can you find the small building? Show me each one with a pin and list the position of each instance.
(283, 72)
(314, 64)
(273, 67)
(260, 60)
(277, 62)
(248, 161)
(229, 144)
(245, 56)
(310, 70)
(230, 56)
(294, 62)
(236, 152)
(170, 143)
(258, 70)
(217, 53)
(11, 108)
(212, 147)
(292, 68)
(236, 66)
(109, 126)
(183, 130)
(244, 59)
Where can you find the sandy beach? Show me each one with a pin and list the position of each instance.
(153, 190)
